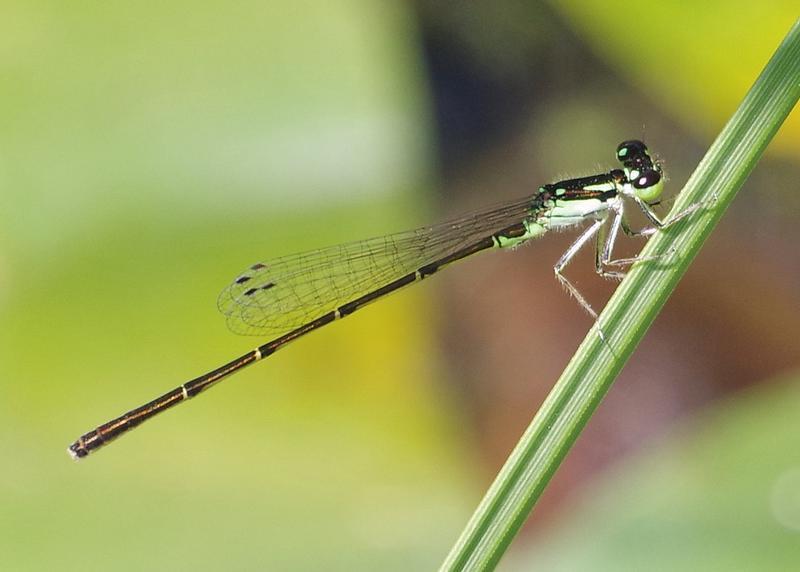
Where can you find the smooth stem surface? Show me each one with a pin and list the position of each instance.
(629, 314)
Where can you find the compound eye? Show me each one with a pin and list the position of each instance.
(631, 149)
(647, 180)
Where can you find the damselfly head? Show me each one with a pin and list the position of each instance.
(642, 171)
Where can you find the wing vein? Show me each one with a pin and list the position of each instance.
(279, 295)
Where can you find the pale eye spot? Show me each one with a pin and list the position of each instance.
(642, 181)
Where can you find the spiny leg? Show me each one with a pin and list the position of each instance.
(606, 238)
(568, 255)
(604, 247)
(658, 224)
(604, 260)
(645, 232)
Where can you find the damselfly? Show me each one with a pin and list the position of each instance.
(291, 296)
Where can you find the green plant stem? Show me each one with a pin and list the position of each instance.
(629, 314)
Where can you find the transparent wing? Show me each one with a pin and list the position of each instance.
(279, 295)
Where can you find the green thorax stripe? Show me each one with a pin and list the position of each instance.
(603, 187)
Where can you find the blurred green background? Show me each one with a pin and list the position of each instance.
(150, 151)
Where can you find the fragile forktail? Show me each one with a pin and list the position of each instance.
(291, 296)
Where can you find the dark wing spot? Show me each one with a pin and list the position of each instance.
(268, 285)
(250, 292)
(242, 279)
(258, 266)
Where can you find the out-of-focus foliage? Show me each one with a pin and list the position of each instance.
(147, 154)
(695, 59)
